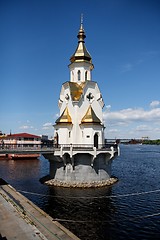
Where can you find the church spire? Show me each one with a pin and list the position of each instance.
(81, 54)
(81, 34)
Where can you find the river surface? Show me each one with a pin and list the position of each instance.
(130, 209)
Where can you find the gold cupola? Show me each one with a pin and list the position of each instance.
(81, 54)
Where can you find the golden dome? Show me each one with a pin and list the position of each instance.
(81, 54)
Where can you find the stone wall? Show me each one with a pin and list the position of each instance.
(79, 172)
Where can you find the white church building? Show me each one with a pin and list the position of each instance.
(81, 157)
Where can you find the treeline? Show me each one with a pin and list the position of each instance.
(155, 142)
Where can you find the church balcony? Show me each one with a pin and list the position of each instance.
(61, 149)
(73, 149)
(81, 147)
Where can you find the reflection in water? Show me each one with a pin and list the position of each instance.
(22, 170)
(83, 209)
(24, 175)
(93, 213)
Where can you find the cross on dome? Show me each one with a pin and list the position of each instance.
(82, 18)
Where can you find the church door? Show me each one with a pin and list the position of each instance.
(96, 140)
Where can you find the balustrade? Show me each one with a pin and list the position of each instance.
(66, 147)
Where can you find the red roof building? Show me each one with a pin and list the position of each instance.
(26, 139)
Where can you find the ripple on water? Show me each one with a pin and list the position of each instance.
(92, 214)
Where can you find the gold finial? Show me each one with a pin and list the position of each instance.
(81, 34)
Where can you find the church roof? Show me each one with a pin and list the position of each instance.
(90, 117)
(65, 117)
(81, 53)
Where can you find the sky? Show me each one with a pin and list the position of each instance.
(37, 40)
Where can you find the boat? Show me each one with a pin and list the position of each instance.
(23, 156)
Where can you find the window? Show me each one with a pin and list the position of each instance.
(72, 76)
(85, 75)
(69, 134)
(79, 75)
(28, 139)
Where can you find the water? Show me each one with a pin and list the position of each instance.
(93, 213)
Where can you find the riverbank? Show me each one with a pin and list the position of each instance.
(21, 219)
(152, 142)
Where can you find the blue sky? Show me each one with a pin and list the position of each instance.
(39, 36)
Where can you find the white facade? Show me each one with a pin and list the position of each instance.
(80, 72)
(80, 102)
(80, 156)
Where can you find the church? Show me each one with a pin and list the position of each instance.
(81, 158)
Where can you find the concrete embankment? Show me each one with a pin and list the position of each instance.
(21, 219)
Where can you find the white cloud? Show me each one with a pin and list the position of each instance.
(127, 67)
(142, 58)
(131, 115)
(108, 107)
(47, 125)
(57, 115)
(143, 128)
(151, 53)
(113, 130)
(133, 122)
(155, 104)
(26, 127)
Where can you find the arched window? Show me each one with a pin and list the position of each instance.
(72, 76)
(86, 73)
(79, 75)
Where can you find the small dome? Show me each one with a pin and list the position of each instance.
(81, 53)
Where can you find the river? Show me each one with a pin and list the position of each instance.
(130, 209)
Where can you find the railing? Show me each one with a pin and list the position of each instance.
(22, 148)
(19, 146)
(7, 148)
(80, 147)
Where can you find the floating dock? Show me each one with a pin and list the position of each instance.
(21, 219)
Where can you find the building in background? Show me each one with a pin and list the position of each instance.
(21, 140)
